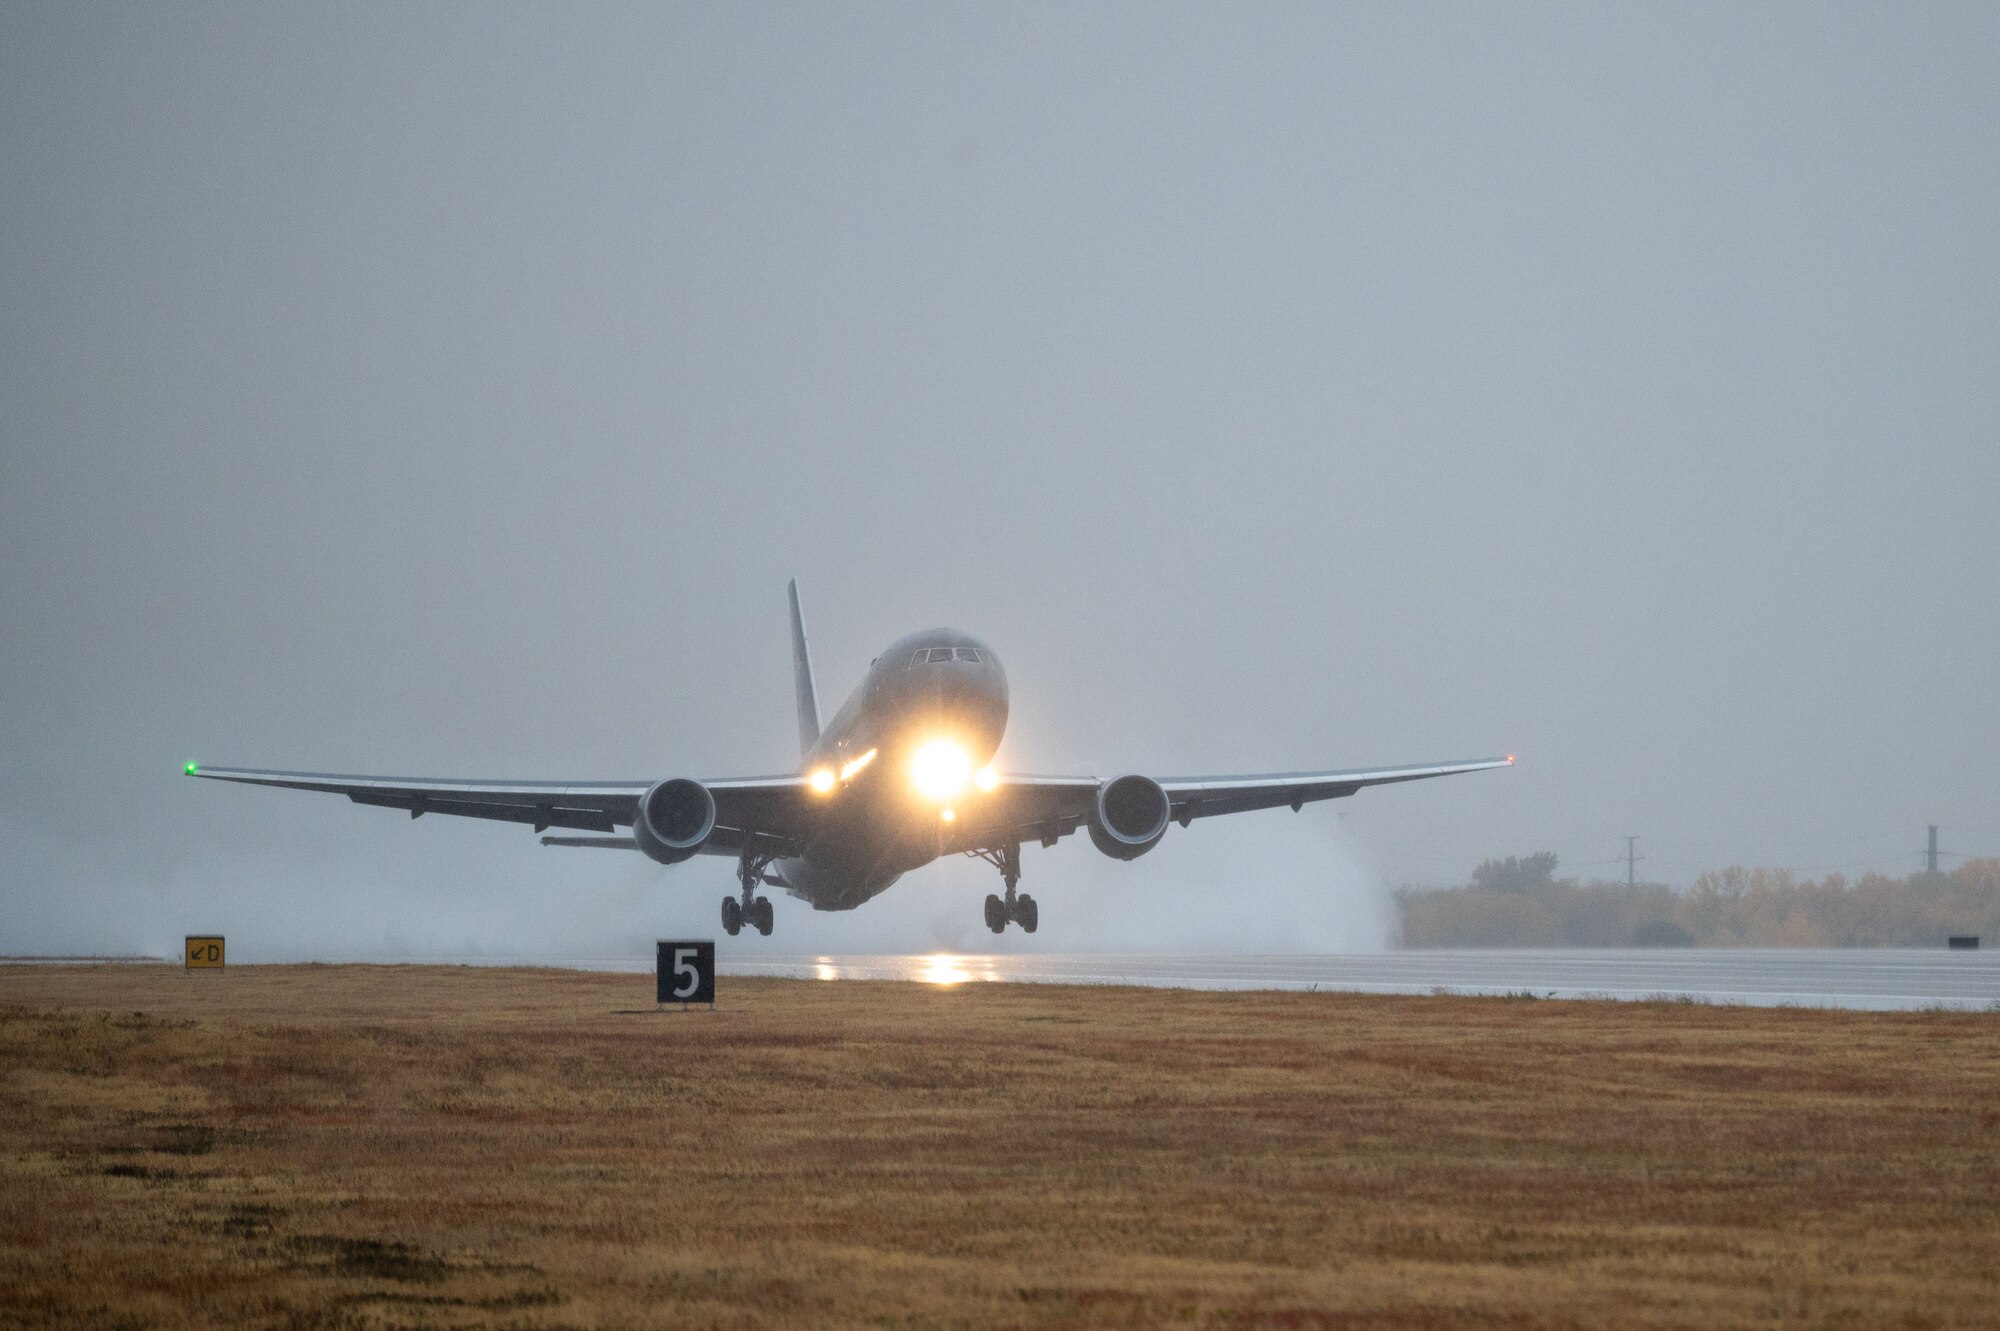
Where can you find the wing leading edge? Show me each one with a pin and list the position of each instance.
(1207, 796)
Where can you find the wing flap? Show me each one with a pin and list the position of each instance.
(1189, 807)
(542, 816)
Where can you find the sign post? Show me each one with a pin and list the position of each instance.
(204, 952)
(686, 972)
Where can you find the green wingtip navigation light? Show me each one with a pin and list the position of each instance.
(190, 768)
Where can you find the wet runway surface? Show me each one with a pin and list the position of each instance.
(1852, 978)
(1884, 978)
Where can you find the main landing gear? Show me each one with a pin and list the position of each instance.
(1020, 909)
(752, 910)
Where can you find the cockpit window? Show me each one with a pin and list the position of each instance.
(925, 655)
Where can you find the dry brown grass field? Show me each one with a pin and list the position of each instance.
(353, 1146)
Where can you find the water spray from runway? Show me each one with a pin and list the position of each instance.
(1266, 883)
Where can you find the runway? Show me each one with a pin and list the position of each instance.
(1879, 978)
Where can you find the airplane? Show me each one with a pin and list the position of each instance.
(901, 776)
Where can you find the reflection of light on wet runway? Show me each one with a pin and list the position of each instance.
(1842, 977)
(1852, 977)
(943, 968)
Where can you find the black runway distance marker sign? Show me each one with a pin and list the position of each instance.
(687, 971)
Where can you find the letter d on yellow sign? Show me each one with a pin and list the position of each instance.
(204, 952)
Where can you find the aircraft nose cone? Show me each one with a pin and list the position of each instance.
(970, 687)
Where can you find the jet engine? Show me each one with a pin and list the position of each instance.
(1129, 817)
(674, 819)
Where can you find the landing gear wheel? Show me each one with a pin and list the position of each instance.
(732, 916)
(760, 915)
(996, 914)
(1026, 913)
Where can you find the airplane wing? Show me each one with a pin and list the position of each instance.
(1047, 808)
(771, 806)
(778, 810)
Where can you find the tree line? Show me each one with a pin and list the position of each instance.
(1519, 902)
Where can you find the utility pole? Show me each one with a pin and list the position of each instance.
(1930, 855)
(1632, 860)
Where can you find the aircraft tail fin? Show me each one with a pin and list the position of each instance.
(802, 678)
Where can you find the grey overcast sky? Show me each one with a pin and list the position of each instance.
(450, 390)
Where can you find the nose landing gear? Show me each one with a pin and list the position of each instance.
(1019, 909)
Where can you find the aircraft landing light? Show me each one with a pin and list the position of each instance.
(848, 770)
(940, 768)
(822, 780)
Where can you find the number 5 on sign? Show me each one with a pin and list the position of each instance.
(687, 971)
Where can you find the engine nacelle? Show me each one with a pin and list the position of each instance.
(674, 819)
(1129, 817)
